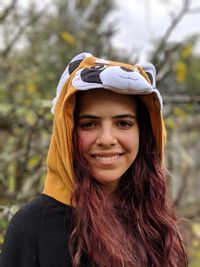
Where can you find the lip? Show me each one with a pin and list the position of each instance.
(107, 158)
(107, 154)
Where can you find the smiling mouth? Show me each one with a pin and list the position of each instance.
(107, 159)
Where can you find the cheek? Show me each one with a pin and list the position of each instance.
(85, 140)
(131, 141)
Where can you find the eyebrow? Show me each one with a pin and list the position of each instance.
(120, 116)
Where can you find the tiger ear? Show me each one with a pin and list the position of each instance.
(73, 65)
(150, 70)
(76, 61)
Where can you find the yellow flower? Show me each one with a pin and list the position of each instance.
(31, 88)
(69, 38)
(181, 71)
(195, 243)
(186, 51)
(196, 229)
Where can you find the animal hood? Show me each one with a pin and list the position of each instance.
(86, 72)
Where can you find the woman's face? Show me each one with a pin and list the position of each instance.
(108, 134)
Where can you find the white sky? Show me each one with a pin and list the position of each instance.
(142, 21)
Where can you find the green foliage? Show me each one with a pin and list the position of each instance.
(194, 245)
(36, 47)
(179, 66)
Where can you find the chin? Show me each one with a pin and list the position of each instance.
(110, 182)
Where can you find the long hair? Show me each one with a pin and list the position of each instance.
(136, 228)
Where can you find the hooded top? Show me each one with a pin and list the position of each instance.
(86, 72)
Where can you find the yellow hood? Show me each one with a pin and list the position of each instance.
(86, 72)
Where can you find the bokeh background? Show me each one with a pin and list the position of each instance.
(37, 40)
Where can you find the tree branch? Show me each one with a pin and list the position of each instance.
(16, 37)
(182, 188)
(181, 99)
(7, 10)
(163, 43)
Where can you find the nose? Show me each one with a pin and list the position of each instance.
(106, 136)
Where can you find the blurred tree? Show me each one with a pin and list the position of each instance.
(37, 44)
(53, 35)
(176, 62)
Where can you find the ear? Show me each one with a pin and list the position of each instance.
(74, 63)
(150, 71)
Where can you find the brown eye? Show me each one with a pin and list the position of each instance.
(87, 125)
(124, 124)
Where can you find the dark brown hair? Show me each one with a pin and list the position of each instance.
(139, 227)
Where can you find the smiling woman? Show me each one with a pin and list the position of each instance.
(108, 135)
(105, 201)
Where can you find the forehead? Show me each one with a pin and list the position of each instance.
(99, 99)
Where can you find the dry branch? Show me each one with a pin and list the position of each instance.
(7, 10)
(163, 43)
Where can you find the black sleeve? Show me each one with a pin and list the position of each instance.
(20, 245)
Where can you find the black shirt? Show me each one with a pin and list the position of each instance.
(38, 235)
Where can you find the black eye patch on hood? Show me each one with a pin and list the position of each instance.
(92, 74)
(74, 65)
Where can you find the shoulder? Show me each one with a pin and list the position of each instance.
(36, 231)
(29, 218)
(30, 214)
(26, 220)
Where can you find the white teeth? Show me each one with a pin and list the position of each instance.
(106, 158)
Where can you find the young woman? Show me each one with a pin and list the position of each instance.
(105, 202)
